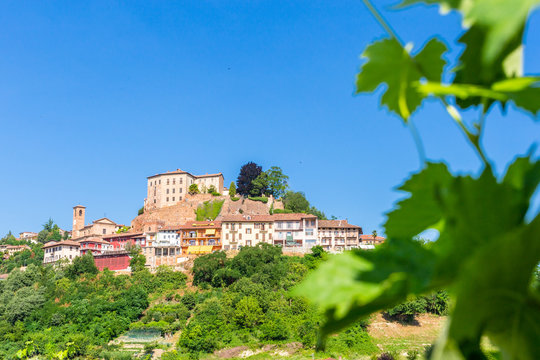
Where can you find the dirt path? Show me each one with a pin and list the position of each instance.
(394, 336)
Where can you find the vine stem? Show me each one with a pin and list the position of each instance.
(418, 141)
(381, 20)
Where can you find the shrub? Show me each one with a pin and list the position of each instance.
(282, 211)
(141, 211)
(406, 312)
(262, 199)
(274, 327)
(234, 198)
(209, 210)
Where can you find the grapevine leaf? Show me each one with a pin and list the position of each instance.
(355, 284)
(391, 64)
(524, 92)
(499, 302)
(422, 210)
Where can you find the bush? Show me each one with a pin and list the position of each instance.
(274, 327)
(262, 199)
(233, 198)
(141, 211)
(209, 210)
(406, 312)
(282, 211)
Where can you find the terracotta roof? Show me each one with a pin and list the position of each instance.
(103, 218)
(201, 225)
(79, 206)
(12, 247)
(370, 237)
(178, 171)
(126, 234)
(267, 218)
(170, 227)
(61, 243)
(294, 216)
(337, 224)
(208, 175)
(247, 218)
(94, 240)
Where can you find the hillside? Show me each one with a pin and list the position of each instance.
(181, 213)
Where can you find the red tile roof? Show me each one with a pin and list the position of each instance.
(61, 243)
(370, 237)
(201, 225)
(126, 234)
(337, 224)
(247, 218)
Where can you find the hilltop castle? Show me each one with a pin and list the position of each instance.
(171, 187)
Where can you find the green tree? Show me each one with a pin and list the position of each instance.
(259, 186)
(141, 211)
(82, 265)
(481, 218)
(248, 313)
(137, 261)
(193, 189)
(205, 266)
(277, 182)
(248, 173)
(232, 189)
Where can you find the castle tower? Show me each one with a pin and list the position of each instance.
(78, 220)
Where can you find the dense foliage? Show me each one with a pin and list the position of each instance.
(19, 259)
(248, 173)
(247, 301)
(208, 210)
(488, 248)
(70, 312)
(296, 202)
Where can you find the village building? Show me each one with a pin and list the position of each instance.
(29, 236)
(95, 245)
(170, 255)
(167, 236)
(171, 188)
(200, 237)
(112, 260)
(296, 230)
(120, 241)
(338, 235)
(100, 227)
(371, 240)
(238, 231)
(55, 251)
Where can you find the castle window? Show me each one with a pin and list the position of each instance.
(248, 231)
(173, 190)
(104, 231)
(80, 212)
(173, 198)
(167, 181)
(167, 199)
(173, 181)
(180, 182)
(150, 183)
(180, 198)
(167, 191)
(180, 190)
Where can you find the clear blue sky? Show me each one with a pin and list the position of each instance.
(96, 96)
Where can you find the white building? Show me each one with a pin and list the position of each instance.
(55, 251)
(167, 236)
(297, 230)
(238, 231)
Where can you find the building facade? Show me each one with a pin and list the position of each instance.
(339, 235)
(55, 251)
(171, 188)
(238, 231)
(125, 240)
(295, 230)
(200, 237)
(95, 245)
(100, 227)
(371, 240)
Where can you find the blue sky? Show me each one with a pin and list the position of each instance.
(96, 96)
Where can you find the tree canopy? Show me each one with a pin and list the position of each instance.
(248, 173)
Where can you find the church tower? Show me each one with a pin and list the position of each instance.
(78, 220)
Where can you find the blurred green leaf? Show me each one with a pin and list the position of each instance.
(524, 92)
(391, 64)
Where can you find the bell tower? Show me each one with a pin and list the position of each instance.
(78, 220)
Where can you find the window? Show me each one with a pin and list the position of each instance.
(239, 225)
(173, 198)
(180, 190)
(167, 191)
(167, 181)
(179, 198)
(154, 201)
(173, 181)
(289, 225)
(167, 198)
(269, 236)
(173, 190)
(226, 236)
(263, 237)
(309, 232)
(248, 231)
(150, 183)
(239, 236)
(159, 181)
(180, 182)
(257, 236)
(312, 222)
(104, 231)
(80, 212)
